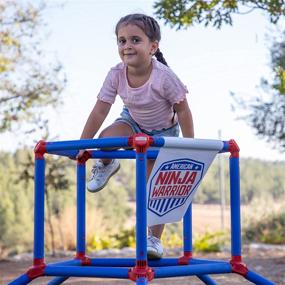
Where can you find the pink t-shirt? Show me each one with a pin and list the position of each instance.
(150, 105)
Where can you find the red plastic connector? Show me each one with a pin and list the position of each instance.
(141, 270)
(85, 260)
(37, 270)
(40, 149)
(234, 148)
(184, 260)
(140, 142)
(238, 266)
(86, 155)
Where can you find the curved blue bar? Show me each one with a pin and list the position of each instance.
(23, 279)
(189, 270)
(86, 271)
(257, 279)
(57, 280)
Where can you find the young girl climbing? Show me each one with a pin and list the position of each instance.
(154, 102)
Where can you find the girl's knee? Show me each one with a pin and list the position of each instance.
(117, 129)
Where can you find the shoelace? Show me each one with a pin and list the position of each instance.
(98, 170)
(155, 241)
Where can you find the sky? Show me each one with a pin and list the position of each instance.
(210, 62)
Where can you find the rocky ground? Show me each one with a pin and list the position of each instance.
(268, 261)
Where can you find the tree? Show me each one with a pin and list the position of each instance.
(185, 13)
(266, 117)
(29, 81)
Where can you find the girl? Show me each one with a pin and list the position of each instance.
(154, 101)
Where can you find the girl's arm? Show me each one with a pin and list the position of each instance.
(94, 122)
(185, 118)
(95, 119)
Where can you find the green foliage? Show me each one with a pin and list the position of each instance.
(125, 238)
(210, 242)
(29, 81)
(258, 178)
(266, 116)
(270, 228)
(185, 13)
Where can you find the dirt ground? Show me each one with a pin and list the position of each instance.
(269, 262)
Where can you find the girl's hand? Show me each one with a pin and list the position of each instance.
(80, 154)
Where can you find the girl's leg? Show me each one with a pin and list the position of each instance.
(103, 169)
(156, 230)
(117, 129)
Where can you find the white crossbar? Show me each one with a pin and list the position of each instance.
(190, 143)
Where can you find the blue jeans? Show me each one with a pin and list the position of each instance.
(173, 131)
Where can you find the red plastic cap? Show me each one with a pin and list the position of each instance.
(141, 270)
(86, 155)
(85, 260)
(140, 142)
(40, 149)
(37, 270)
(234, 148)
(238, 266)
(184, 260)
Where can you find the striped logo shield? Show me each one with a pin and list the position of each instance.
(173, 183)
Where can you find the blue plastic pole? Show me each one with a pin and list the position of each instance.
(141, 281)
(141, 223)
(115, 142)
(207, 280)
(21, 280)
(57, 280)
(235, 206)
(257, 279)
(86, 271)
(81, 219)
(121, 154)
(187, 230)
(39, 208)
(190, 270)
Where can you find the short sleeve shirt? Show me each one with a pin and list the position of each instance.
(150, 105)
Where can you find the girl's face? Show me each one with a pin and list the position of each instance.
(135, 48)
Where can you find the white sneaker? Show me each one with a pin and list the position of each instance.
(154, 248)
(101, 174)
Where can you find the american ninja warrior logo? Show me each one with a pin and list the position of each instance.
(172, 184)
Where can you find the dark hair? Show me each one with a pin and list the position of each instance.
(150, 27)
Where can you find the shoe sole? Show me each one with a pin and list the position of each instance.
(153, 255)
(100, 188)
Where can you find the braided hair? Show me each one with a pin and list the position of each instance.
(150, 27)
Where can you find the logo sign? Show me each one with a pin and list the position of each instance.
(172, 184)
(174, 179)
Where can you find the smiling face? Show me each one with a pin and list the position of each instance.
(135, 48)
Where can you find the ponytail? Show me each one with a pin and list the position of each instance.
(160, 58)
